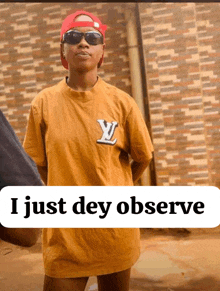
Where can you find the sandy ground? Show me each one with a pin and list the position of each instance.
(170, 260)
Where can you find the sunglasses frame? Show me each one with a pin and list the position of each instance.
(83, 34)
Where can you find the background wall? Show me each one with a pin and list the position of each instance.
(182, 58)
(181, 44)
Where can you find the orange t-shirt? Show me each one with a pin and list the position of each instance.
(85, 139)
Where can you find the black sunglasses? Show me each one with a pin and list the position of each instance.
(74, 37)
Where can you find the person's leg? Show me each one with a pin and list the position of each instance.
(114, 282)
(64, 284)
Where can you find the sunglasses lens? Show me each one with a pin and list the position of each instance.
(94, 38)
(72, 37)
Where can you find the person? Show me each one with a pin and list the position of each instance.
(16, 168)
(84, 132)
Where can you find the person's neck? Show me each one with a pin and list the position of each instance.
(82, 81)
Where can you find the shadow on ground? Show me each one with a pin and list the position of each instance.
(179, 233)
(171, 232)
(37, 248)
(204, 284)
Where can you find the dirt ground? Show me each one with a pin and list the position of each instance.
(171, 260)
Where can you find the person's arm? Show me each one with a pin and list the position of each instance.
(25, 237)
(139, 142)
(43, 173)
(34, 141)
(16, 168)
(137, 170)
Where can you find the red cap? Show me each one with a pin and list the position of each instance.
(69, 22)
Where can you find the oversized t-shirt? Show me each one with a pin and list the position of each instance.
(84, 139)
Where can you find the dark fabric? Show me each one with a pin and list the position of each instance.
(16, 167)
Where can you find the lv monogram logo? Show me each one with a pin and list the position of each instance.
(108, 130)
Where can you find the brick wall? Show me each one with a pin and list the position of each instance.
(182, 58)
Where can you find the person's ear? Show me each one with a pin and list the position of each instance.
(101, 60)
(62, 50)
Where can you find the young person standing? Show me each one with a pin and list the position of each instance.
(83, 132)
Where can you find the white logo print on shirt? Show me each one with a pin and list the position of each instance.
(108, 131)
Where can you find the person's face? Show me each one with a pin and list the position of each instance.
(82, 56)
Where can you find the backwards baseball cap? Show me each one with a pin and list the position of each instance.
(69, 23)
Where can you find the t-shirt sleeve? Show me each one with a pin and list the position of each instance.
(138, 139)
(16, 167)
(34, 142)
